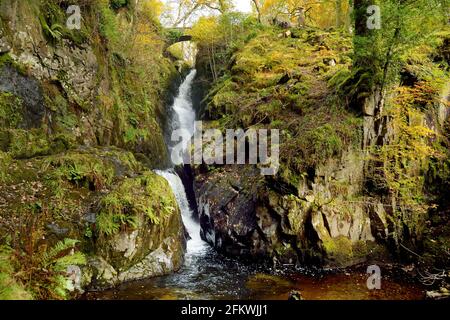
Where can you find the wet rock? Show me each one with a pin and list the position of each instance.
(29, 91)
(147, 248)
(295, 296)
(443, 293)
(378, 221)
(160, 262)
(242, 214)
(57, 230)
(135, 249)
(186, 175)
(228, 213)
(63, 90)
(103, 274)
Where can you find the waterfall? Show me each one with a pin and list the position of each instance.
(195, 245)
(184, 119)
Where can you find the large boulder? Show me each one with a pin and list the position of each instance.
(125, 217)
(149, 240)
(227, 209)
(244, 214)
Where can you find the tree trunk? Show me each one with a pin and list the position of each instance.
(258, 9)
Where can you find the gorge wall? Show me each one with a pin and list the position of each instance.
(82, 122)
(342, 195)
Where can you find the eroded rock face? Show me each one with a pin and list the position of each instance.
(339, 213)
(148, 239)
(244, 215)
(227, 210)
(165, 259)
(75, 66)
(68, 87)
(29, 91)
(60, 99)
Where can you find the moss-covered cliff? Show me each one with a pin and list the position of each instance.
(104, 84)
(82, 118)
(348, 188)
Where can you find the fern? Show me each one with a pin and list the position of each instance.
(40, 275)
(58, 257)
(150, 213)
(107, 225)
(10, 289)
(57, 260)
(167, 207)
(54, 32)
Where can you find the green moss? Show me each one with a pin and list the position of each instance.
(325, 142)
(285, 251)
(10, 110)
(7, 60)
(26, 144)
(5, 161)
(342, 252)
(108, 23)
(339, 250)
(53, 18)
(93, 169)
(40, 167)
(23, 144)
(273, 82)
(148, 196)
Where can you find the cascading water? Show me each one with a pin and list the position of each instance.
(195, 245)
(183, 119)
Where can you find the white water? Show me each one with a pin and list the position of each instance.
(184, 119)
(195, 245)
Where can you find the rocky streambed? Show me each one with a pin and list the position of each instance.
(211, 276)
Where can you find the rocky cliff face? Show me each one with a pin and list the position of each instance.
(81, 127)
(243, 214)
(75, 82)
(341, 196)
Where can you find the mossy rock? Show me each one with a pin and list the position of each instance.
(5, 161)
(342, 252)
(135, 218)
(11, 113)
(26, 144)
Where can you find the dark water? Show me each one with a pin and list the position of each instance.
(208, 276)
